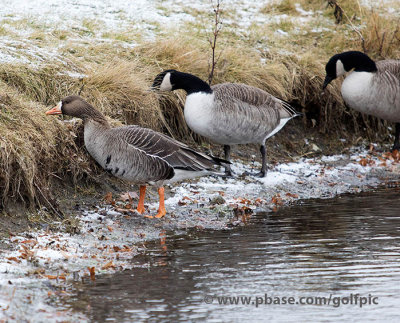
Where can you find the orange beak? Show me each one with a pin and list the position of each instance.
(56, 109)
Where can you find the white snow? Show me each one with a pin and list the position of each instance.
(107, 237)
(34, 258)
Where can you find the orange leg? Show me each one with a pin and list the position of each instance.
(140, 207)
(161, 207)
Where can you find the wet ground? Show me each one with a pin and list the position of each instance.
(331, 252)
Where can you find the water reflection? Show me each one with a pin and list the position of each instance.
(341, 246)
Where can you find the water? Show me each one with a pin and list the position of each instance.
(323, 248)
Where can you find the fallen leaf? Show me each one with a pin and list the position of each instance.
(108, 265)
(92, 273)
(39, 271)
(128, 196)
(371, 148)
(14, 259)
(30, 241)
(108, 198)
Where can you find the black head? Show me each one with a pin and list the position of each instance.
(164, 81)
(344, 62)
(171, 80)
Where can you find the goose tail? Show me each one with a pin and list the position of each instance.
(290, 110)
(220, 161)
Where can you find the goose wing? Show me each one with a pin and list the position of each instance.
(171, 151)
(251, 96)
(388, 80)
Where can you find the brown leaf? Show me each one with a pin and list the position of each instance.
(108, 265)
(128, 196)
(92, 273)
(39, 271)
(14, 259)
(128, 206)
(277, 200)
(108, 198)
(363, 162)
(371, 148)
(30, 241)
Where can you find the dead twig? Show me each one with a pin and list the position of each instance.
(83, 85)
(339, 13)
(59, 214)
(213, 40)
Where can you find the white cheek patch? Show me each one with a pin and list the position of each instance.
(166, 83)
(339, 68)
(59, 106)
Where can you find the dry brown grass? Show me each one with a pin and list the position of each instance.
(32, 151)
(33, 147)
(382, 36)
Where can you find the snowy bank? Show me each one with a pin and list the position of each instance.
(38, 266)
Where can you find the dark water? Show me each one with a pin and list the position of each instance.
(324, 248)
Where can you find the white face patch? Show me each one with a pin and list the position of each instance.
(339, 68)
(166, 83)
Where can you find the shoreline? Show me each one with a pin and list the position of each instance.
(38, 263)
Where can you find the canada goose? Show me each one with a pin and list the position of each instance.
(228, 113)
(136, 154)
(372, 87)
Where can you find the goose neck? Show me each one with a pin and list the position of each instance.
(191, 83)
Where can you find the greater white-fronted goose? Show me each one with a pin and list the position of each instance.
(136, 154)
(228, 113)
(372, 87)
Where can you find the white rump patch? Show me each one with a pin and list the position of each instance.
(181, 174)
(279, 127)
(339, 68)
(166, 83)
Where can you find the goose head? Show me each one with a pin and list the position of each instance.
(77, 107)
(342, 63)
(165, 81)
(170, 80)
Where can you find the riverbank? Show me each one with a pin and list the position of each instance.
(54, 220)
(111, 53)
(37, 266)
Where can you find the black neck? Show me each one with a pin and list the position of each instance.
(189, 83)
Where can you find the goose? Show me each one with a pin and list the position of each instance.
(371, 87)
(228, 113)
(137, 154)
